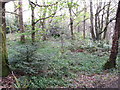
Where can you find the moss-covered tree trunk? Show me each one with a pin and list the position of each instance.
(111, 63)
(3, 50)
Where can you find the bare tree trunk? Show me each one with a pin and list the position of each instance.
(111, 63)
(5, 69)
(71, 27)
(107, 20)
(78, 28)
(16, 23)
(43, 28)
(43, 24)
(91, 21)
(33, 25)
(32, 20)
(97, 21)
(84, 22)
(22, 38)
(102, 19)
(71, 21)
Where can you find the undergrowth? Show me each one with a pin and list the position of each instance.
(57, 67)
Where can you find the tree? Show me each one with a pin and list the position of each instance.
(91, 21)
(107, 20)
(42, 22)
(71, 18)
(100, 19)
(84, 21)
(4, 58)
(111, 63)
(34, 22)
(22, 38)
(16, 21)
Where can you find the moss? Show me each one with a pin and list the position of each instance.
(5, 70)
(4, 56)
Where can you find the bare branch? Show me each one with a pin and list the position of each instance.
(102, 9)
(11, 13)
(114, 18)
(45, 18)
(81, 21)
(43, 5)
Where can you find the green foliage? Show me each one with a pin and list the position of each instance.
(27, 60)
(22, 82)
(59, 68)
(43, 82)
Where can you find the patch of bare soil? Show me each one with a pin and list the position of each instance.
(7, 82)
(112, 84)
(82, 81)
(97, 81)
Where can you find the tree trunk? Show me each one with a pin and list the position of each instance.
(97, 22)
(91, 21)
(84, 22)
(111, 63)
(22, 38)
(107, 20)
(43, 28)
(16, 23)
(71, 28)
(71, 21)
(32, 21)
(33, 25)
(43, 24)
(4, 59)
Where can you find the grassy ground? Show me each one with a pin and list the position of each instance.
(64, 66)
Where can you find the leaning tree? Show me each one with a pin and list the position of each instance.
(111, 63)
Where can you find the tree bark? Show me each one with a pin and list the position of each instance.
(111, 63)
(97, 21)
(44, 30)
(16, 23)
(43, 24)
(22, 38)
(91, 21)
(32, 20)
(33, 26)
(4, 60)
(107, 20)
(84, 22)
(71, 20)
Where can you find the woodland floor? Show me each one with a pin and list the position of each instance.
(105, 79)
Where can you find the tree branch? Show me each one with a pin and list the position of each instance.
(45, 18)
(114, 18)
(43, 5)
(101, 9)
(11, 13)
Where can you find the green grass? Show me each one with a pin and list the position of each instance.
(63, 66)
